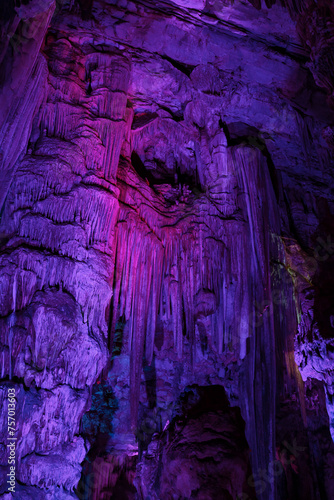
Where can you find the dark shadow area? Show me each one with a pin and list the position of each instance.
(96, 427)
(186, 69)
(202, 454)
(323, 243)
(160, 175)
(86, 8)
(238, 133)
(141, 170)
(123, 489)
(304, 456)
(150, 375)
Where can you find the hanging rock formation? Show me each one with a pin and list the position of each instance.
(166, 223)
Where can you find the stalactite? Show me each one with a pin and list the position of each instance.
(155, 294)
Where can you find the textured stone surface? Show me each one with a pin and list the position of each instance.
(166, 207)
(202, 453)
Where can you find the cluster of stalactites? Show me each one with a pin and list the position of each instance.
(181, 273)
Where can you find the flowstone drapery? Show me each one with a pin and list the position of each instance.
(166, 204)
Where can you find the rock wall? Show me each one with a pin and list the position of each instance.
(166, 220)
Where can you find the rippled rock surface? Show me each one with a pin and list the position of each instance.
(166, 204)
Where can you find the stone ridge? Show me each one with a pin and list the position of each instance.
(166, 220)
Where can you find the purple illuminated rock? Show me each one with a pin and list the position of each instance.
(166, 207)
